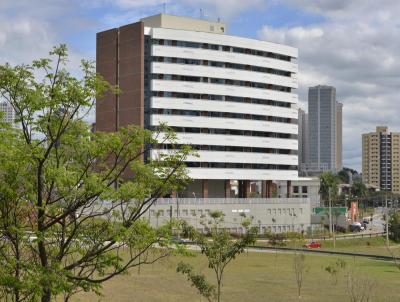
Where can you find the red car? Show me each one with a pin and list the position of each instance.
(313, 245)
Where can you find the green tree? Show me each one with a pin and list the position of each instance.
(394, 226)
(220, 251)
(345, 173)
(344, 176)
(328, 186)
(358, 189)
(70, 217)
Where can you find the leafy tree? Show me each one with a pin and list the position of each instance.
(328, 186)
(220, 251)
(358, 189)
(70, 217)
(344, 176)
(198, 280)
(394, 226)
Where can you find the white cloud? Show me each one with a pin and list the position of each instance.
(356, 50)
(226, 9)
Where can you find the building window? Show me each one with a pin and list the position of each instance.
(304, 190)
(295, 189)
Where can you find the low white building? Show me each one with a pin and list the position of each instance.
(274, 215)
(303, 188)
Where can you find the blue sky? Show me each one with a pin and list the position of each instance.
(244, 23)
(352, 45)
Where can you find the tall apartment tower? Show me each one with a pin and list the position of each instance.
(380, 159)
(8, 112)
(303, 137)
(339, 134)
(325, 129)
(232, 98)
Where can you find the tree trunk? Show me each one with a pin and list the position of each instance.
(46, 296)
(219, 281)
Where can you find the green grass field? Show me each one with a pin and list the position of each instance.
(371, 246)
(375, 246)
(253, 277)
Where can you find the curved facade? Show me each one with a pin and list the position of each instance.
(233, 99)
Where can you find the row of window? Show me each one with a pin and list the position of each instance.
(215, 97)
(230, 149)
(175, 77)
(233, 132)
(296, 189)
(240, 166)
(225, 48)
(233, 115)
(291, 212)
(222, 65)
(192, 212)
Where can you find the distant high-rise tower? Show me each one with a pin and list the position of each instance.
(339, 109)
(9, 114)
(303, 137)
(380, 159)
(325, 129)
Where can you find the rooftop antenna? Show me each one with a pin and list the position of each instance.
(201, 13)
(164, 8)
(219, 20)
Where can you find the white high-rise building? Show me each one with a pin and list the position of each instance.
(232, 98)
(8, 112)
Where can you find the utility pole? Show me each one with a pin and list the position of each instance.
(330, 211)
(386, 189)
(177, 205)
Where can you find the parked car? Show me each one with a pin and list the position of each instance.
(313, 245)
(356, 227)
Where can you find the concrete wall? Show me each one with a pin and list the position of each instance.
(185, 23)
(312, 193)
(275, 214)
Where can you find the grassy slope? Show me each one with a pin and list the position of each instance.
(251, 277)
(373, 246)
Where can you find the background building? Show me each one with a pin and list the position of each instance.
(9, 114)
(303, 137)
(381, 159)
(325, 129)
(305, 187)
(339, 133)
(233, 99)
